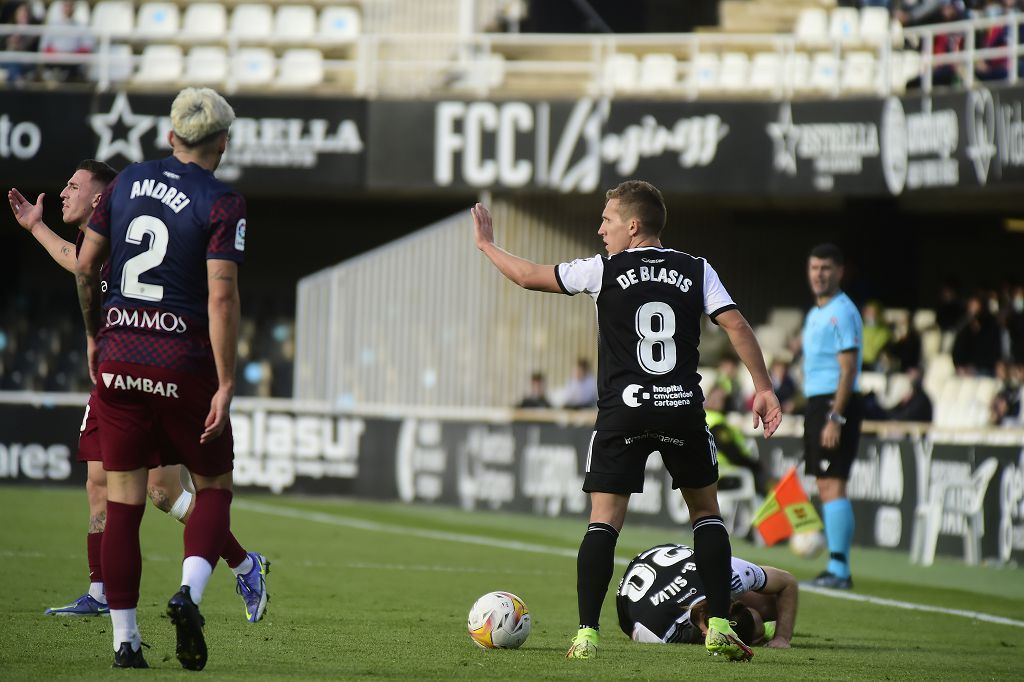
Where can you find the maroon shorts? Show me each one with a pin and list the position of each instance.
(150, 416)
(89, 435)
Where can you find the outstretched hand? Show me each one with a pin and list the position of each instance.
(483, 229)
(25, 213)
(767, 411)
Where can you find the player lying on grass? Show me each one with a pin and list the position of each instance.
(661, 600)
(164, 486)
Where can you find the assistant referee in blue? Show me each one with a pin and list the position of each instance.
(833, 336)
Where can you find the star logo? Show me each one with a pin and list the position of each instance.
(784, 136)
(130, 146)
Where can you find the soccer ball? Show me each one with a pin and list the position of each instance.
(807, 545)
(499, 620)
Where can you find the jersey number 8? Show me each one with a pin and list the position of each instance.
(656, 350)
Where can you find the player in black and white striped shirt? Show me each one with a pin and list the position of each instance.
(649, 300)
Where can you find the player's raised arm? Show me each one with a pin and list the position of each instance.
(224, 309)
(766, 406)
(525, 273)
(30, 217)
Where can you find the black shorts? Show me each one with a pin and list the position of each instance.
(835, 463)
(617, 460)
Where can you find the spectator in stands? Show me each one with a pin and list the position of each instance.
(904, 351)
(65, 42)
(1015, 324)
(949, 312)
(538, 395)
(782, 382)
(915, 406)
(733, 450)
(1005, 408)
(18, 14)
(727, 379)
(976, 347)
(876, 334)
(581, 389)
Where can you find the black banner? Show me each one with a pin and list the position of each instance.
(278, 145)
(538, 468)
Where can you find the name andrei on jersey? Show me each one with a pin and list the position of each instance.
(653, 274)
(146, 319)
(144, 384)
(155, 189)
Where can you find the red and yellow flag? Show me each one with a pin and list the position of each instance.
(787, 511)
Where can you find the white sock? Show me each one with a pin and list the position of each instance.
(96, 592)
(181, 505)
(126, 629)
(196, 572)
(244, 567)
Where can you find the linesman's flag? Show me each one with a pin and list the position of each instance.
(787, 511)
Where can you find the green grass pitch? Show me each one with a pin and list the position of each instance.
(376, 591)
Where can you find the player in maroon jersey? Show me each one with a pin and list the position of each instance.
(164, 486)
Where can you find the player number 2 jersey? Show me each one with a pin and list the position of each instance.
(649, 307)
(660, 587)
(164, 220)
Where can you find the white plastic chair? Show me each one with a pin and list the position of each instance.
(294, 23)
(204, 20)
(824, 76)
(206, 64)
(158, 20)
(339, 24)
(621, 72)
(657, 71)
(790, 320)
(924, 318)
(301, 68)
(796, 77)
(115, 17)
(766, 72)
(252, 22)
(898, 388)
(873, 381)
(119, 68)
(962, 500)
(844, 25)
(704, 69)
(253, 66)
(874, 26)
(858, 72)
(811, 27)
(734, 75)
(160, 64)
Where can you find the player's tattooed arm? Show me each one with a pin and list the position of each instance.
(87, 279)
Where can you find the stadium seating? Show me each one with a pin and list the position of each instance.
(339, 24)
(301, 68)
(811, 28)
(657, 71)
(115, 17)
(159, 20)
(824, 74)
(735, 72)
(875, 28)
(206, 64)
(204, 20)
(621, 72)
(294, 23)
(253, 66)
(858, 73)
(844, 25)
(253, 22)
(766, 73)
(160, 64)
(704, 69)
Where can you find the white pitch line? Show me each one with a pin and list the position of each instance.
(359, 524)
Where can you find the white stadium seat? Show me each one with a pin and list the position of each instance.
(115, 17)
(874, 26)
(735, 72)
(160, 64)
(206, 64)
(824, 76)
(704, 69)
(897, 390)
(119, 68)
(844, 25)
(766, 72)
(811, 27)
(873, 382)
(294, 22)
(796, 76)
(252, 22)
(657, 71)
(204, 20)
(789, 319)
(301, 68)
(924, 318)
(253, 66)
(621, 72)
(158, 20)
(859, 73)
(339, 24)
(80, 15)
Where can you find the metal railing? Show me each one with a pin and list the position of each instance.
(488, 64)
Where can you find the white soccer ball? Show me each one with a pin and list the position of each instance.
(499, 620)
(808, 545)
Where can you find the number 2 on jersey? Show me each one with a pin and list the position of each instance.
(145, 261)
(656, 350)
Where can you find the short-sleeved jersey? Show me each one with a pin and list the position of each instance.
(660, 587)
(164, 219)
(649, 307)
(829, 330)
